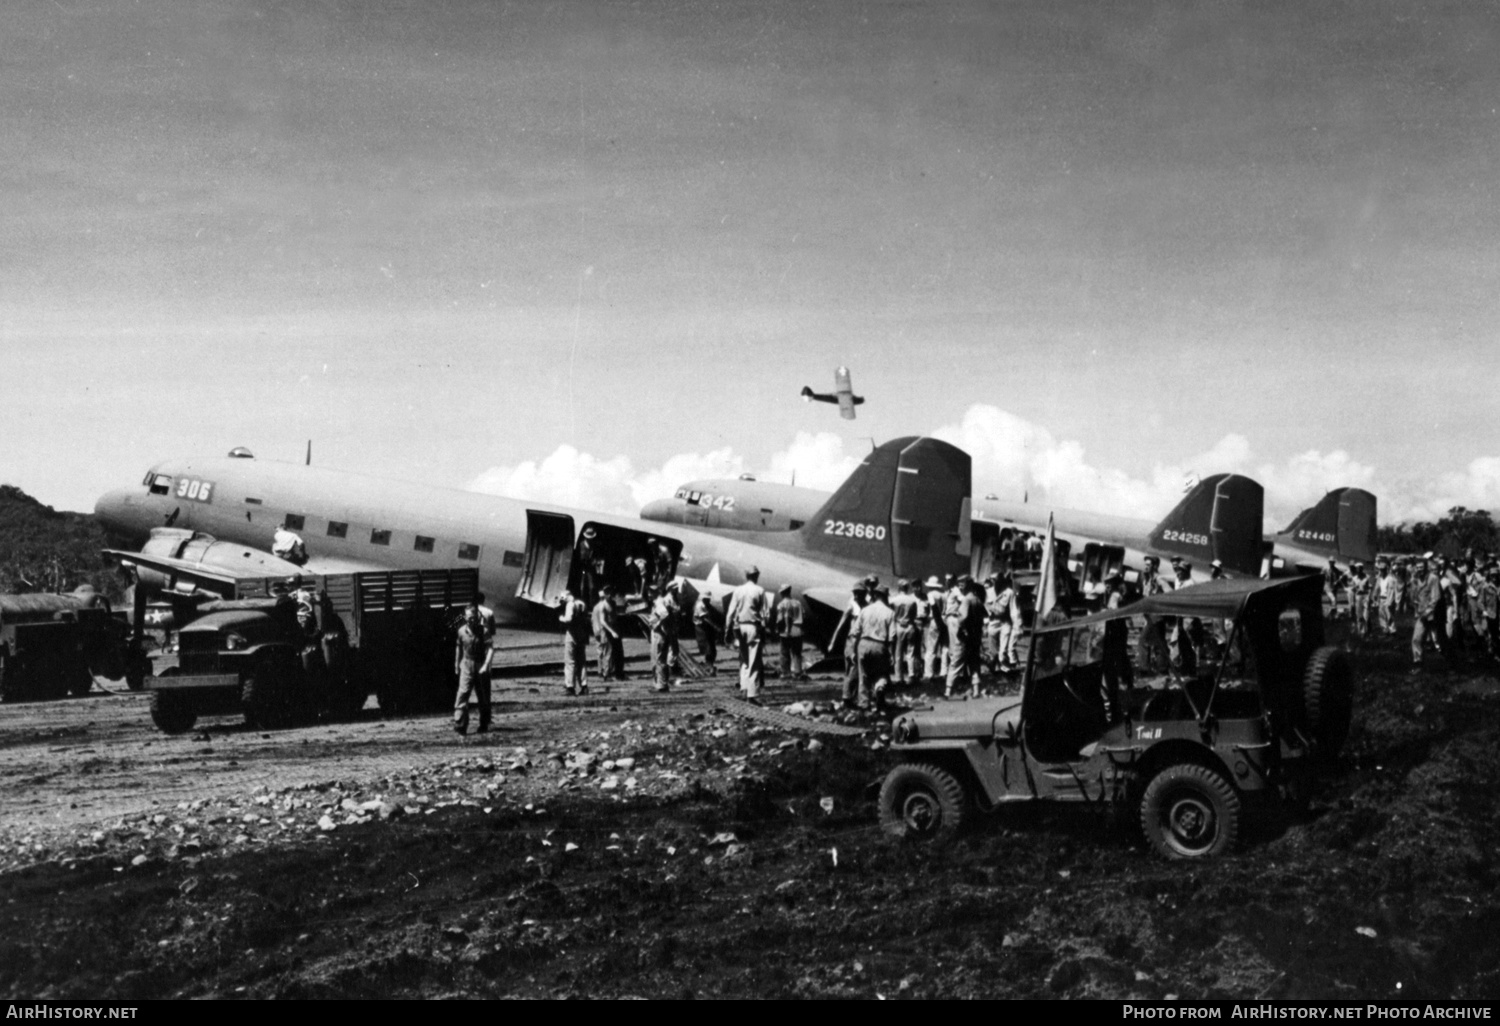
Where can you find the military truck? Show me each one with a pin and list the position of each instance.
(1252, 719)
(251, 652)
(51, 645)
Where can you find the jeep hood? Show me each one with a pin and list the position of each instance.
(984, 717)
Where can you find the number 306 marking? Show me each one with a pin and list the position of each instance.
(199, 491)
(844, 529)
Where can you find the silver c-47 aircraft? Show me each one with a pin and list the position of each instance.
(903, 512)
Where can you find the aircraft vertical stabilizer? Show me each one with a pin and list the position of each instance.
(902, 510)
(1341, 525)
(1219, 519)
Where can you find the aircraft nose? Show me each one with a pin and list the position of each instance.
(121, 513)
(660, 510)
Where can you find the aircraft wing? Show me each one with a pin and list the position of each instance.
(216, 578)
(834, 598)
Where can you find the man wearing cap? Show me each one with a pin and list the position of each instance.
(607, 636)
(789, 631)
(576, 623)
(706, 629)
(847, 632)
(1183, 653)
(958, 617)
(1427, 608)
(663, 623)
(471, 661)
(1383, 596)
(1005, 610)
(749, 609)
(1151, 648)
(906, 649)
(877, 627)
(1360, 587)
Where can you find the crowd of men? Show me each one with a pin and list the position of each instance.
(1454, 603)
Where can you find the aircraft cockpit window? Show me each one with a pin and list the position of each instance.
(379, 537)
(423, 544)
(681, 494)
(161, 484)
(468, 551)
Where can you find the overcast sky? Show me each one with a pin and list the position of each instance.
(537, 247)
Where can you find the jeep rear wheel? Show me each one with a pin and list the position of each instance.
(171, 713)
(922, 801)
(1190, 812)
(1328, 699)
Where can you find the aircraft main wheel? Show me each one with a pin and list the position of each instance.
(172, 713)
(922, 801)
(1328, 699)
(1190, 812)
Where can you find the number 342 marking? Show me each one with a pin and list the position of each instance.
(845, 529)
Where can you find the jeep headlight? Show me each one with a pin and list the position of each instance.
(234, 641)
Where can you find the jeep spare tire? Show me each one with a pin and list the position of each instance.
(1190, 812)
(921, 802)
(1328, 699)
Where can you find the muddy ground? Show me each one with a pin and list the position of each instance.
(632, 844)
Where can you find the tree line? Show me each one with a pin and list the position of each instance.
(1460, 531)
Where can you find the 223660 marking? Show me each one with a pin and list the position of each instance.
(846, 529)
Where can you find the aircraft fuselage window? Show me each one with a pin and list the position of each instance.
(252, 502)
(423, 544)
(161, 484)
(467, 551)
(337, 530)
(295, 521)
(513, 558)
(379, 537)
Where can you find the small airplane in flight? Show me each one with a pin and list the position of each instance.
(843, 394)
(204, 523)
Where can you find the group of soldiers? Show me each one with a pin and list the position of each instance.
(1454, 602)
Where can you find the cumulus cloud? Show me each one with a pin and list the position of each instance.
(1012, 456)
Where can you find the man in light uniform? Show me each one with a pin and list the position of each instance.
(1427, 605)
(957, 618)
(471, 661)
(706, 630)
(749, 608)
(1387, 589)
(1360, 587)
(877, 628)
(907, 645)
(847, 632)
(576, 623)
(934, 641)
(1151, 648)
(663, 622)
(1005, 617)
(611, 664)
(1184, 655)
(789, 631)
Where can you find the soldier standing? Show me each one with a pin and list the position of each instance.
(934, 636)
(607, 636)
(789, 630)
(877, 627)
(663, 622)
(907, 655)
(1427, 607)
(1006, 609)
(471, 661)
(848, 631)
(576, 624)
(1183, 654)
(957, 618)
(1151, 649)
(749, 607)
(706, 630)
(1115, 649)
(1384, 596)
(1360, 586)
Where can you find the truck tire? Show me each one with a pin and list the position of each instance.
(920, 801)
(1190, 812)
(7, 680)
(1328, 699)
(172, 713)
(263, 694)
(80, 679)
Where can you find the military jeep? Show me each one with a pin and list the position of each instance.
(1262, 705)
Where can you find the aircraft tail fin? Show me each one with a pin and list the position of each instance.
(1219, 519)
(903, 511)
(1341, 525)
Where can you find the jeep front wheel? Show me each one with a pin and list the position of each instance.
(1190, 812)
(921, 801)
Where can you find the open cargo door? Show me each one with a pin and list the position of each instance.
(549, 557)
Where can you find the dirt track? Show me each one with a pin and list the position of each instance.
(647, 846)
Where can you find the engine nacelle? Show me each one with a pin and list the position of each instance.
(208, 552)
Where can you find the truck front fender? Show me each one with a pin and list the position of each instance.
(995, 771)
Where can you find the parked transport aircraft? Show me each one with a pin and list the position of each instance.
(903, 512)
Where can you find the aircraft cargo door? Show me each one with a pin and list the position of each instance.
(549, 557)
